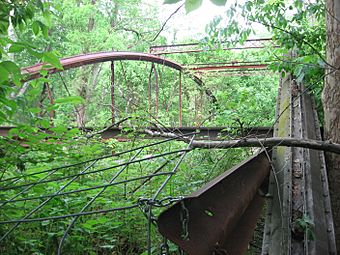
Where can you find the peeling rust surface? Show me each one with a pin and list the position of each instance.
(222, 215)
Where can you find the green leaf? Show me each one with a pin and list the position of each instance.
(44, 29)
(10, 105)
(52, 59)
(219, 2)
(35, 53)
(15, 47)
(4, 74)
(11, 67)
(70, 100)
(34, 110)
(44, 123)
(3, 116)
(35, 27)
(171, 1)
(48, 18)
(191, 5)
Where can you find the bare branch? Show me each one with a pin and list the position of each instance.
(257, 142)
(166, 21)
(108, 127)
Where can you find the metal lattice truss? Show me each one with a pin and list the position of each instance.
(21, 189)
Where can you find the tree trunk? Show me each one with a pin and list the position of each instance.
(82, 92)
(331, 103)
(83, 88)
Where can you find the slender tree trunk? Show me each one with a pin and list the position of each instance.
(51, 98)
(82, 91)
(11, 35)
(331, 104)
(84, 81)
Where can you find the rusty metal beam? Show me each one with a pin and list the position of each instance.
(180, 100)
(33, 72)
(236, 73)
(207, 222)
(206, 133)
(113, 105)
(204, 50)
(224, 67)
(196, 44)
(234, 62)
(150, 89)
(194, 47)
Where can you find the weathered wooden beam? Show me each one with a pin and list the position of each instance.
(299, 219)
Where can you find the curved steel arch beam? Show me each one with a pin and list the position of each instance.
(33, 72)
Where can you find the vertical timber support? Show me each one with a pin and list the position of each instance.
(180, 100)
(113, 110)
(299, 219)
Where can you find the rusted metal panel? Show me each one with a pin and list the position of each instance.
(237, 242)
(206, 221)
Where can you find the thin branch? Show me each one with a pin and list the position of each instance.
(108, 127)
(94, 159)
(97, 170)
(271, 142)
(256, 142)
(147, 177)
(91, 202)
(166, 21)
(70, 215)
(133, 31)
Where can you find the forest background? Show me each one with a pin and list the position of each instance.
(43, 31)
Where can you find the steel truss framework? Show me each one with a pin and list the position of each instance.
(219, 218)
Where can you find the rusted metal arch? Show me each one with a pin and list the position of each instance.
(33, 72)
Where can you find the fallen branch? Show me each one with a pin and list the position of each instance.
(107, 128)
(256, 142)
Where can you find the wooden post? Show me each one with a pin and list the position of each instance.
(180, 99)
(113, 91)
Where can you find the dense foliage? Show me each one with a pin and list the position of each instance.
(41, 31)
